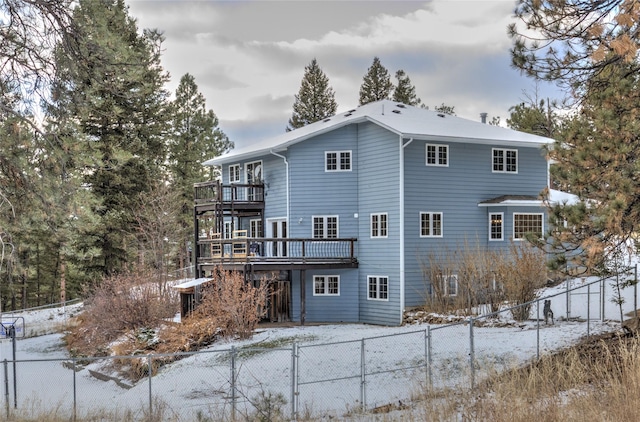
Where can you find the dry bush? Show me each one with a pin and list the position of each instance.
(121, 304)
(230, 307)
(522, 272)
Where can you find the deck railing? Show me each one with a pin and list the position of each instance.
(213, 191)
(276, 249)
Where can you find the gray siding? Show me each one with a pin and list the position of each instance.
(342, 308)
(456, 191)
(378, 192)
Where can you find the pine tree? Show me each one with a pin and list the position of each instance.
(315, 100)
(537, 118)
(195, 138)
(114, 103)
(405, 92)
(446, 109)
(376, 84)
(597, 155)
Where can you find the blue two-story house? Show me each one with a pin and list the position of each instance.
(343, 211)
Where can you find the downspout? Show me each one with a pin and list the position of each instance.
(286, 165)
(402, 263)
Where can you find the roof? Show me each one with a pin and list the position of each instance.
(191, 283)
(555, 197)
(406, 121)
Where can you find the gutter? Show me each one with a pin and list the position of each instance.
(402, 263)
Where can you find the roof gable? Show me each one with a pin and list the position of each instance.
(406, 121)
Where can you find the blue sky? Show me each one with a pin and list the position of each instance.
(248, 57)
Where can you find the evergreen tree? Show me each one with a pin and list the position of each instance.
(376, 84)
(195, 138)
(405, 92)
(538, 119)
(315, 101)
(117, 102)
(597, 155)
(446, 109)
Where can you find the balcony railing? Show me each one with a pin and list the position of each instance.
(214, 191)
(217, 251)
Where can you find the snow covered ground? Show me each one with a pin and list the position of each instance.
(333, 370)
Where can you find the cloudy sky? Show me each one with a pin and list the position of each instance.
(248, 57)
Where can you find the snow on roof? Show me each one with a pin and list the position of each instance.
(559, 197)
(555, 197)
(406, 121)
(191, 283)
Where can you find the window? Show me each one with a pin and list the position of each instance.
(437, 155)
(337, 160)
(227, 230)
(505, 160)
(378, 288)
(430, 224)
(449, 285)
(325, 227)
(326, 285)
(379, 225)
(526, 223)
(255, 228)
(234, 173)
(496, 222)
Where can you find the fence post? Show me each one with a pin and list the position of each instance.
(568, 301)
(294, 381)
(5, 366)
(233, 383)
(75, 390)
(149, 369)
(538, 329)
(602, 298)
(471, 353)
(428, 355)
(588, 308)
(363, 396)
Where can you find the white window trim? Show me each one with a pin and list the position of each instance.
(501, 214)
(513, 224)
(326, 285)
(227, 230)
(232, 172)
(377, 298)
(437, 163)
(252, 223)
(324, 222)
(371, 225)
(444, 279)
(255, 164)
(431, 224)
(504, 150)
(338, 169)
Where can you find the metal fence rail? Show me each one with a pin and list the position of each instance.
(295, 380)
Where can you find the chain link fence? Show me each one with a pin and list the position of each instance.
(294, 379)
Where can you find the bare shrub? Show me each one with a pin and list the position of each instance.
(522, 272)
(230, 307)
(121, 304)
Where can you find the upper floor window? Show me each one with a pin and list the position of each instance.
(379, 225)
(234, 173)
(430, 224)
(326, 285)
(505, 160)
(527, 223)
(337, 160)
(325, 227)
(378, 288)
(496, 225)
(437, 155)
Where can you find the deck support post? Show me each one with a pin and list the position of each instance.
(303, 275)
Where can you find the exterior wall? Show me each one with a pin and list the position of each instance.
(378, 192)
(456, 191)
(342, 308)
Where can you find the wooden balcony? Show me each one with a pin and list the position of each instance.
(277, 253)
(213, 194)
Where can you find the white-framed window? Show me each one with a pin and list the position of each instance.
(326, 285)
(325, 227)
(227, 230)
(449, 284)
(234, 173)
(437, 155)
(255, 228)
(430, 224)
(337, 160)
(505, 160)
(379, 225)
(496, 226)
(524, 223)
(377, 287)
